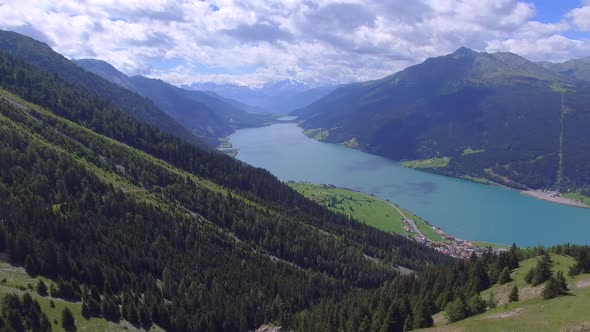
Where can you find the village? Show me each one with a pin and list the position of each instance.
(451, 245)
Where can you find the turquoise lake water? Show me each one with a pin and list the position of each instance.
(462, 208)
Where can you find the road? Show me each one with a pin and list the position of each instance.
(411, 222)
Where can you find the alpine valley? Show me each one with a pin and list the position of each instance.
(117, 212)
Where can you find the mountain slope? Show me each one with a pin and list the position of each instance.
(139, 225)
(578, 69)
(274, 97)
(42, 56)
(205, 115)
(500, 105)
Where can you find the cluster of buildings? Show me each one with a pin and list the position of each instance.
(452, 246)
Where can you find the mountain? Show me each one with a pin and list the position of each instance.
(107, 223)
(274, 97)
(208, 116)
(135, 226)
(505, 108)
(42, 56)
(578, 69)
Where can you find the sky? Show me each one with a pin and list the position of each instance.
(250, 42)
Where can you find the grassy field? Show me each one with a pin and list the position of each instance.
(367, 209)
(471, 151)
(578, 197)
(318, 133)
(14, 280)
(428, 163)
(531, 313)
(475, 179)
(231, 152)
(424, 227)
(492, 245)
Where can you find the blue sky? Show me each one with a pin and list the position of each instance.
(334, 41)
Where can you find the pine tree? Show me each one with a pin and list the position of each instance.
(422, 315)
(476, 305)
(542, 270)
(514, 295)
(528, 278)
(563, 289)
(86, 310)
(131, 316)
(504, 276)
(67, 320)
(456, 310)
(31, 266)
(42, 288)
(551, 289)
(492, 302)
(514, 261)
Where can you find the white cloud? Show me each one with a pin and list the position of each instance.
(259, 40)
(581, 17)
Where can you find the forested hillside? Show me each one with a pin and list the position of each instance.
(496, 116)
(137, 223)
(42, 56)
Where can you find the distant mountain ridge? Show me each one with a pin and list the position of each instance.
(208, 116)
(578, 69)
(274, 97)
(503, 105)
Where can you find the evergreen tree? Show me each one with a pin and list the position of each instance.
(514, 295)
(67, 320)
(476, 305)
(422, 316)
(551, 289)
(514, 257)
(393, 320)
(563, 289)
(504, 276)
(408, 324)
(492, 302)
(86, 310)
(542, 270)
(42, 288)
(131, 312)
(528, 277)
(31, 266)
(456, 310)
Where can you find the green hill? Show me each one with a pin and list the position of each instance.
(531, 313)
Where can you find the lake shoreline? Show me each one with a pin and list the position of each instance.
(459, 207)
(554, 198)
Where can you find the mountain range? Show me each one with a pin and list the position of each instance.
(578, 69)
(274, 97)
(115, 217)
(208, 116)
(524, 120)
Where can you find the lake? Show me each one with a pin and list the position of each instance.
(462, 208)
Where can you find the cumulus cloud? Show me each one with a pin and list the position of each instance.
(251, 41)
(581, 16)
